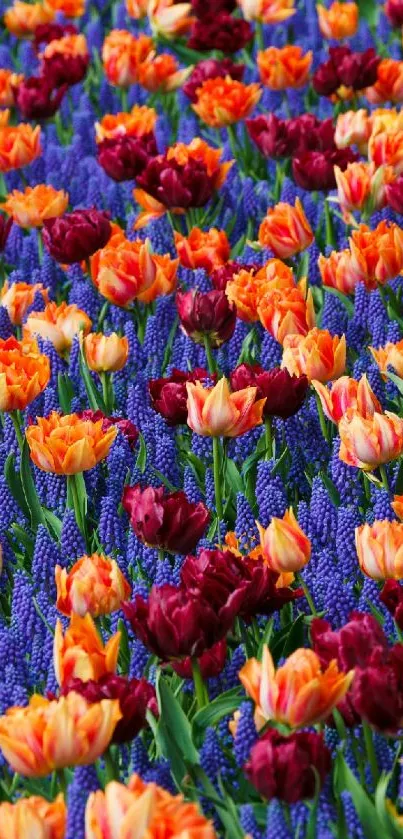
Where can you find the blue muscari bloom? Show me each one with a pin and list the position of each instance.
(248, 821)
(348, 518)
(166, 457)
(6, 327)
(94, 35)
(209, 488)
(344, 476)
(83, 293)
(84, 782)
(9, 511)
(270, 493)
(138, 660)
(245, 527)
(160, 774)
(71, 540)
(334, 315)
(235, 345)
(111, 528)
(377, 319)
(56, 492)
(276, 824)
(57, 364)
(139, 758)
(394, 332)
(361, 304)
(9, 437)
(119, 462)
(381, 502)
(190, 485)
(340, 600)
(164, 573)
(46, 556)
(323, 514)
(51, 401)
(384, 753)
(24, 618)
(229, 676)
(354, 824)
(355, 334)
(271, 352)
(313, 269)
(246, 734)
(202, 447)
(212, 758)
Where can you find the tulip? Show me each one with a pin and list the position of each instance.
(94, 584)
(125, 426)
(36, 204)
(165, 520)
(206, 315)
(347, 393)
(37, 99)
(143, 807)
(223, 102)
(122, 54)
(66, 60)
(299, 694)
(24, 374)
(221, 276)
(66, 732)
(392, 597)
(125, 158)
(287, 312)
(69, 8)
(8, 84)
(169, 395)
(380, 549)
(161, 73)
(211, 68)
(288, 137)
(66, 445)
(77, 235)
(267, 11)
(136, 9)
(33, 818)
(394, 195)
(22, 19)
(124, 271)
(211, 662)
(370, 442)
(205, 8)
(58, 324)
(202, 249)
(288, 768)
(339, 21)
(360, 186)
(18, 297)
(281, 68)
(353, 128)
(169, 19)
(219, 31)
(285, 230)
(139, 122)
(80, 653)
(216, 412)
(379, 252)
(377, 692)
(388, 85)
(394, 12)
(318, 355)
(385, 148)
(47, 32)
(341, 271)
(249, 285)
(284, 546)
(19, 146)
(315, 170)
(284, 394)
(5, 227)
(105, 353)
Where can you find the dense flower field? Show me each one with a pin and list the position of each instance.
(201, 439)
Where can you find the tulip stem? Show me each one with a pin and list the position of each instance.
(111, 772)
(107, 392)
(259, 35)
(217, 484)
(17, 427)
(73, 490)
(369, 745)
(40, 245)
(322, 418)
(268, 438)
(200, 687)
(62, 781)
(307, 593)
(384, 477)
(209, 355)
(329, 229)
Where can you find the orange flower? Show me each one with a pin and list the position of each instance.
(143, 811)
(380, 549)
(368, 442)
(389, 85)
(67, 444)
(361, 185)
(31, 207)
(24, 374)
(168, 18)
(319, 355)
(8, 81)
(390, 355)
(19, 145)
(139, 121)
(80, 654)
(122, 54)
(284, 67)
(341, 271)
(397, 506)
(347, 393)
(21, 19)
(287, 312)
(339, 21)
(48, 735)
(69, 45)
(136, 8)
(94, 584)
(69, 8)
(386, 148)
(285, 230)
(223, 102)
(247, 288)
(378, 253)
(203, 249)
(18, 297)
(216, 412)
(267, 11)
(125, 271)
(58, 324)
(33, 818)
(285, 547)
(105, 353)
(299, 693)
(161, 72)
(353, 128)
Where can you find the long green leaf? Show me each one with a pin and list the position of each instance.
(220, 707)
(28, 484)
(366, 811)
(15, 486)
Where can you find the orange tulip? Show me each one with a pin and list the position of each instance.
(284, 67)
(216, 412)
(347, 393)
(8, 81)
(299, 693)
(380, 549)
(24, 374)
(169, 19)
(94, 584)
(143, 811)
(58, 324)
(18, 297)
(203, 249)
(285, 547)
(69, 8)
(339, 21)
(139, 121)
(19, 145)
(285, 230)
(391, 355)
(397, 506)
(136, 8)
(47, 735)
(68, 46)
(21, 19)
(247, 288)
(287, 312)
(31, 207)
(67, 444)
(106, 353)
(353, 128)
(125, 271)
(80, 653)
(161, 72)
(33, 818)
(389, 84)
(122, 55)
(267, 11)
(341, 271)
(378, 253)
(368, 442)
(385, 148)
(361, 186)
(223, 102)
(319, 355)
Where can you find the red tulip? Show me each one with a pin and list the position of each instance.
(220, 32)
(211, 68)
(125, 426)
(314, 170)
(392, 597)
(169, 395)
(124, 158)
(5, 227)
(76, 236)
(284, 393)
(211, 663)
(283, 767)
(208, 313)
(165, 520)
(394, 195)
(394, 12)
(47, 32)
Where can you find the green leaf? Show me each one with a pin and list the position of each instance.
(164, 480)
(65, 392)
(390, 827)
(15, 486)
(233, 477)
(369, 11)
(295, 637)
(399, 480)
(28, 485)
(53, 521)
(220, 707)
(173, 733)
(396, 381)
(334, 494)
(141, 461)
(345, 780)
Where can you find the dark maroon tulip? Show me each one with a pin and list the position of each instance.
(314, 170)
(169, 395)
(377, 692)
(325, 79)
(37, 99)
(278, 138)
(165, 520)
(394, 195)
(270, 135)
(136, 697)
(176, 185)
(211, 68)
(47, 32)
(392, 597)
(225, 273)
(308, 133)
(211, 663)
(5, 227)
(61, 69)
(76, 236)
(220, 32)
(124, 158)
(359, 69)
(394, 12)
(284, 393)
(206, 313)
(176, 622)
(283, 767)
(352, 645)
(125, 426)
(201, 8)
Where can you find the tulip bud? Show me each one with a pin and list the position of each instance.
(285, 547)
(283, 767)
(80, 652)
(380, 549)
(285, 230)
(370, 442)
(206, 314)
(105, 353)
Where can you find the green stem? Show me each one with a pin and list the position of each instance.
(17, 426)
(259, 35)
(322, 418)
(268, 438)
(40, 245)
(384, 477)
(217, 484)
(209, 355)
(72, 486)
(102, 315)
(111, 770)
(62, 781)
(200, 687)
(107, 391)
(369, 745)
(233, 142)
(329, 229)
(123, 99)
(307, 593)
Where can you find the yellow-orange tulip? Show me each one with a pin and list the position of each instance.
(24, 374)
(139, 121)
(339, 21)
(285, 547)
(267, 11)
(162, 72)
(69, 8)
(8, 82)
(18, 297)
(389, 84)
(21, 19)
(124, 271)
(360, 185)
(287, 312)
(122, 54)
(247, 288)
(284, 67)
(397, 506)
(31, 207)
(353, 128)
(136, 8)
(342, 271)
(143, 811)
(222, 102)
(285, 230)
(347, 393)
(106, 353)
(370, 442)
(216, 412)
(67, 444)
(33, 818)
(299, 693)
(66, 732)
(58, 324)
(318, 354)
(385, 148)
(19, 145)
(168, 18)
(94, 584)
(80, 653)
(380, 549)
(391, 355)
